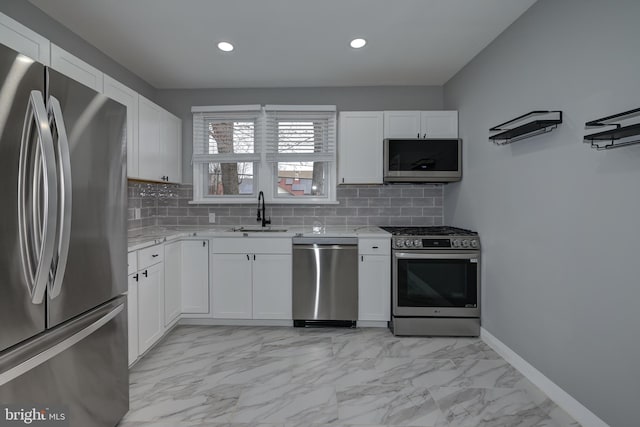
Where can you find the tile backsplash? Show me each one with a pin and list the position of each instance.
(394, 204)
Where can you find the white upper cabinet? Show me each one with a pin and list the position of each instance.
(360, 147)
(121, 93)
(171, 146)
(439, 124)
(149, 159)
(21, 39)
(77, 69)
(159, 143)
(420, 124)
(402, 124)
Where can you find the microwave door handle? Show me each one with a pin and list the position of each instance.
(37, 204)
(56, 121)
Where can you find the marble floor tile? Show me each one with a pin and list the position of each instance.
(487, 407)
(387, 405)
(298, 346)
(287, 403)
(293, 377)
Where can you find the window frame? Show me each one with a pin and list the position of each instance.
(264, 169)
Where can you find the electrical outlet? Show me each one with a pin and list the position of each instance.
(137, 214)
(212, 218)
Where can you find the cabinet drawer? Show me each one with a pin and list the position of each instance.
(132, 263)
(248, 245)
(374, 246)
(149, 256)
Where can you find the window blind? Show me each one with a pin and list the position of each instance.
(300, 134)
(226, 136)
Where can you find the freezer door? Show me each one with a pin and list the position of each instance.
(81, 365)
(96, 267)
(19, 316)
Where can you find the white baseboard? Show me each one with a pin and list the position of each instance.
(234, 322)
(563, 399)
(373, 323)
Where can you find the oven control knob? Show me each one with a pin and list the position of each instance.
(399, 243)
(456, 243)
(465, 243)
(474, 243)
(417, 243)
(408, 243)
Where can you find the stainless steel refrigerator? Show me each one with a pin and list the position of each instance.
(63, 324)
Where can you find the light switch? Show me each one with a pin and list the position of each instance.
(212, 218)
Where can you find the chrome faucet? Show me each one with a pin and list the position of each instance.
(262, 217)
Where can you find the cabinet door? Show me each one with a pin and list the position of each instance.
(439, 124)
(272, 287)
(77, 69)
(171, 147)
(172, 281)
(150, 160)
(402, 124)
(150, 306)
(374, 288)
(22, 39)
(360, 147)
(121, 93)
(132, 317)
(231, 286)
(195, 276)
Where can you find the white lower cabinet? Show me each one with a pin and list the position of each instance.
(150, 306)
(272, 286)
(374, 280)
(172, 281)
(132, 317)
(254, 282)
(232, 286)
(195, 276)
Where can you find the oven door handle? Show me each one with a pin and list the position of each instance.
(473, 257)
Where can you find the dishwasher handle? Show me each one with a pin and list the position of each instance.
(321, 241)
(324, 247)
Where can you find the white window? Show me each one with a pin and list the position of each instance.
(288, 152)
(226, 153)
(301, 151)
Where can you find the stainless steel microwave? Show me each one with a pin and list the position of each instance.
(422, 160)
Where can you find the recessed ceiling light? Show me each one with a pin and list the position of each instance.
(358, 43)
(225, 46)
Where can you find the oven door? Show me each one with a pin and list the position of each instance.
(436, 284)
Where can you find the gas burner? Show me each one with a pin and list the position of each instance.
(429, 231)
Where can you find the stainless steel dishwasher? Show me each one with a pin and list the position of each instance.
(325, 281)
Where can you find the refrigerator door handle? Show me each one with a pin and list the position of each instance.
(63, 158)
(37, 198)
(41, 357)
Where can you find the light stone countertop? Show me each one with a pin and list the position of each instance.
(145, 237)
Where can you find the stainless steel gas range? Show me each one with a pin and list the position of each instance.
(435, 281)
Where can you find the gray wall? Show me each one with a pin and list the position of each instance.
(179, 102)
(35, 19)
(559, 222)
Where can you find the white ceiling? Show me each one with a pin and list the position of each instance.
(288, 43)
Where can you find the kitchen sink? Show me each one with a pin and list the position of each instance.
(259, 230)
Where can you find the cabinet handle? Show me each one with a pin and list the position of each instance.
(146, 273)
(254, 257)
(204, 243)
(425, 136)
(136, 277)
(343, 180)
(361, 258)
(248, 259)
(418, 135)
(374, 247)
(155, 255)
